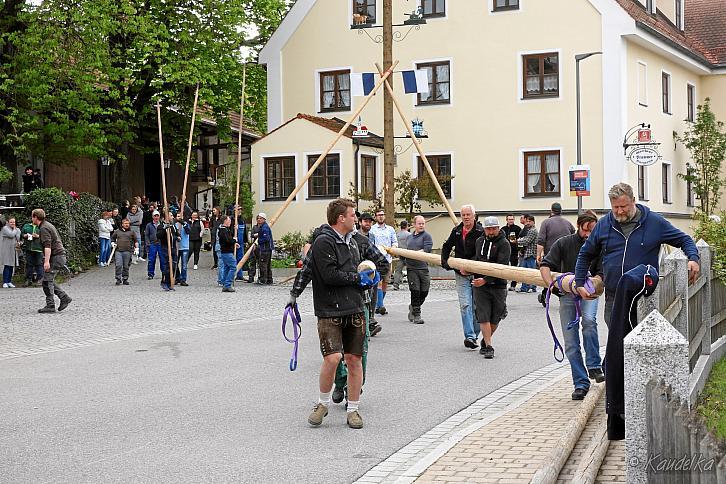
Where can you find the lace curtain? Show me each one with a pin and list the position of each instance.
(442, 78)
(328, 92)
(344, 90)
(552, 168)
(534, 176)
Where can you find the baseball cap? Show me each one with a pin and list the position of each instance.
(491, 222)
(556, 207)
(263, 215)
(155, 212)
(366, 216)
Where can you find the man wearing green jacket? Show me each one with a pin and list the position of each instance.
(33, 254)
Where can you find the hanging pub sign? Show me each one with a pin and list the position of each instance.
(640, 147)
(361, 130)
(580, 180)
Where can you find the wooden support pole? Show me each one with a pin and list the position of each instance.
(239, 143)
(189, 150)
(509, 273)
(417, 144)
(167, 214)
(320, 159)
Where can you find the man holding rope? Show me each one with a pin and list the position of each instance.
(627, 237)
(338, 301)
(562, 257)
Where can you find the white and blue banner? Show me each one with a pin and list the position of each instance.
(362, 83)
(415, 82)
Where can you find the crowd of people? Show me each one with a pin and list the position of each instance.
(140, 231)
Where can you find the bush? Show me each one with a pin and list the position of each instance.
(292, 243)
(76, 221)
(713, 231)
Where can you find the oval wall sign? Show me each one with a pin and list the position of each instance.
(644, 156)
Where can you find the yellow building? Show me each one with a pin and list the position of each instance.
(501, 112)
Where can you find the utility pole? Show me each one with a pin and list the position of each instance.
(389, 201)
(578, 58)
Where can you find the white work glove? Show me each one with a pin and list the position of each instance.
(136, 251)
(113, 244)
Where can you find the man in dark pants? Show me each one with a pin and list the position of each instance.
(490, 293)
(166, 234)
(54, 259)
(511, 232)
(33, 254)
(551, 230)
(265, 246)
(419, 280)
(338, 301)
(213, 227)
(628, 236)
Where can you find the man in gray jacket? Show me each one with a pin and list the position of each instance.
(419, 280)
(402, 236)
(550, 231)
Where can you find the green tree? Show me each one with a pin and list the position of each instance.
(86, 75)
(228, 188)
(705, 139)
(411, 192)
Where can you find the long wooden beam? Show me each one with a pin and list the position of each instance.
(189, 150)
(509, 273)
(320, 159)
(167, 214)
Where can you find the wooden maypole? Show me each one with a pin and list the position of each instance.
(189, 150)
(167, 214)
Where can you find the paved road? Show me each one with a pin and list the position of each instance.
(134, 384)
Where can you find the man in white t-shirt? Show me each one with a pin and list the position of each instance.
(385, 235)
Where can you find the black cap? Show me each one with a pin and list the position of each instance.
(366, 216)
(556, 207)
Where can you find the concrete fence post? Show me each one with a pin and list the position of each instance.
(680, 265)
(654, 349)
(704, 251)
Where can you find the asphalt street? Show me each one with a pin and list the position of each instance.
(134, 384)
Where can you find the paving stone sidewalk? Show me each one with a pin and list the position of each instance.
(504, 437)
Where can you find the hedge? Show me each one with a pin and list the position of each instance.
(75, 219)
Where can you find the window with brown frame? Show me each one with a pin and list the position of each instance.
(279, 177)
(439, 76)
(335, 91)
(325, 180)
(368, 175)
(541, 173)
(691, 94)
(541, 75)
(666, 88)
(505, 5)
(679, 16)
(441, 166)
(666, 182)
(366, 8)
(642, 183)
(433, 8)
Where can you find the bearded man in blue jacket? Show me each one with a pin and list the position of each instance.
(628, 236)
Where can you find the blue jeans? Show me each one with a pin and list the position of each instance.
(183, 260)
(8, 274)
(228, 265)
(151, 264)
(466, 306)
(220, 267)
(104, 251)
(572, 339)
(529, 263)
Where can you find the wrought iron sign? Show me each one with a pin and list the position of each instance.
(640, 147)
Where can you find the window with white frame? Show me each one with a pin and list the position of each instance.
(666, 91)
(366, 9)
(335, 91)
(666, 182)
(279, 177)
(500, 5)
(439, 78)
(433, 8)
(541, 75)
(642, 83)
(643, 183)
(325, 180)
(541, 173)
(368, 175)
(691, 94)
(441, 166)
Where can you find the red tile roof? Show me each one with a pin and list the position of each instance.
(334, 124)
(706, 22)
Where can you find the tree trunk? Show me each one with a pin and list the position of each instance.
(120, 187)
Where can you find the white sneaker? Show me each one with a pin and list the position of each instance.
(135, 262)
(195, 267)
(10, 284)
(5, 285)
(142, 259)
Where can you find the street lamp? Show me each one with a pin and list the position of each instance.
(578, 58)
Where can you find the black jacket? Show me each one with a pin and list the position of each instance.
(562, 256)
(226, 239)
(196, 229)
(463, 249)
(496, 251)
(516, 230)
(161, 234)
(336, 283)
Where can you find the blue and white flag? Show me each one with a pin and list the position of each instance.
(415, 81)
(362, 83)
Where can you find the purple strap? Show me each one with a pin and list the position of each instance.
(294, 315)
(578, 312)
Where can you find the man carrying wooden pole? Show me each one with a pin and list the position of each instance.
(166, 226)
(236, 221)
